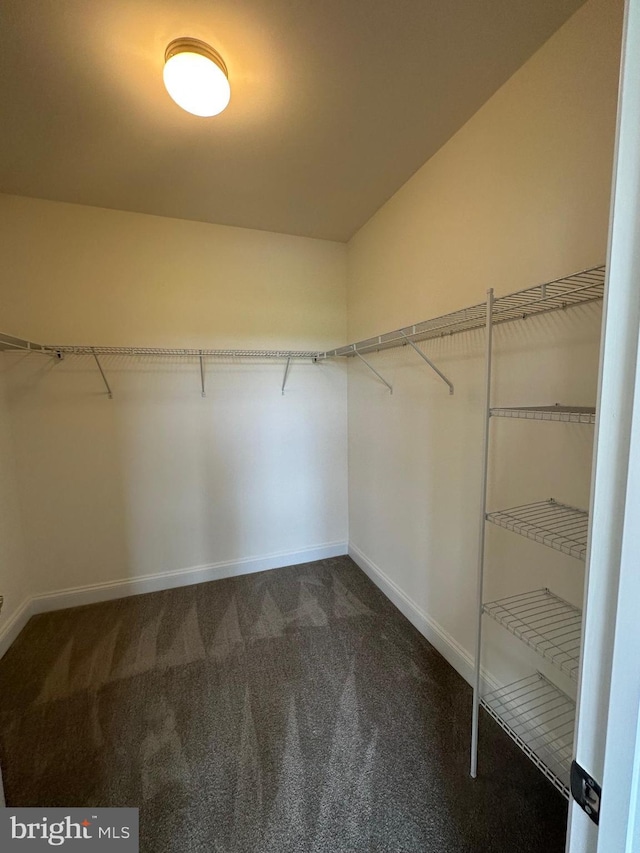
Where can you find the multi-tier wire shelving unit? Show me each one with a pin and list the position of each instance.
(535, 713)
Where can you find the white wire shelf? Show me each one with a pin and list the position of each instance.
(576, 289)
(563, 528)
(546, 623)
(8, 343)
(556, 412)
(540, 718)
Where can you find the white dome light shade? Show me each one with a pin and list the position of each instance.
(196, 77)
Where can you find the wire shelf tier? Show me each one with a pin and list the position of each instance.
(546, 623)
(563, 528)
(540, 719)
(575, 289)
(566, 414)
(10, 343)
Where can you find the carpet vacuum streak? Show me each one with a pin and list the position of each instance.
(291, 711)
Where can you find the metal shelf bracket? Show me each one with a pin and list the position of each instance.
(373, 370)
(286, 374)
(428, 361)
(104, 378)
(202, 388)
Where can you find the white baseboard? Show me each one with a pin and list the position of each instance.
(16, 623)
(449, 648)
(93, 593)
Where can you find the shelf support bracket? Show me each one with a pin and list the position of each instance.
(428, 361)
(373, 370)
(104, 378)
(286, 374)
(202, 388)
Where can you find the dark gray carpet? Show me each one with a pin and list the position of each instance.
(290, 711)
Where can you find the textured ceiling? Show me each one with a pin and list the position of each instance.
(335, 103)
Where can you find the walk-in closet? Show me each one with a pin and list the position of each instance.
(317, 424)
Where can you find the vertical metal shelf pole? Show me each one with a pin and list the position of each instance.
(481, 537)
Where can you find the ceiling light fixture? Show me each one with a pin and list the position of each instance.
(196, 77)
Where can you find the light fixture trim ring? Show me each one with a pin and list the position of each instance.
(191, 45)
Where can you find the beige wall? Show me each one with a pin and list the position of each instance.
(15, 579)
(75, 274)
(159, 480)
(520, 195)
